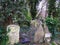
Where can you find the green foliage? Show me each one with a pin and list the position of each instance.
(52, 8)
(32, 4)
(51, 23)
(3, 36)
(52, 20)
(54, 12)
(18, 10)
(58, 15)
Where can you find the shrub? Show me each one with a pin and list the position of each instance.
(51, 23)
(3, 36)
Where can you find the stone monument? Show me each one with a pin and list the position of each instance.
(13, 33)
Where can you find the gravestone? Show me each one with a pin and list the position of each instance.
(13, 33)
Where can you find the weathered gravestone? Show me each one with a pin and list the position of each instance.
(13, 34)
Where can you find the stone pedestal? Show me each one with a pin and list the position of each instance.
(13, 33)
